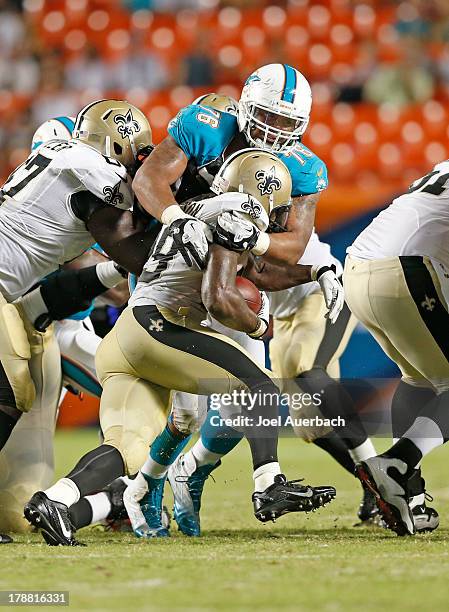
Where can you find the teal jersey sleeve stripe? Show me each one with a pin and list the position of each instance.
(80, 377)
(290, 84)
(67, 123)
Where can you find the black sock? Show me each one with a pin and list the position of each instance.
(262, 439)
(333, 445)
(97, 469)
(81, 513)
(335, 402)
(408, 401)
(416, 484)
(406, 451)
(7, 424)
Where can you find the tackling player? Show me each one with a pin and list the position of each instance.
(159, 344)
(273, 113)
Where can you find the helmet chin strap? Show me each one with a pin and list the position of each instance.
(107, 146)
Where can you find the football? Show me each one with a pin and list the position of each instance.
(250, 293)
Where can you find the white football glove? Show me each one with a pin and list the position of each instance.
(192, 238)
(264, 317)
(132, 495)
(332, 289)
(234, 232)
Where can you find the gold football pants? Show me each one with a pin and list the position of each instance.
(151, 352)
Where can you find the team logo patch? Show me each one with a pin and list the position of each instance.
(156, 325)
(428, 303)
(252, 79)
(268, 181)
(127, 125)
(252, 208)
(112, 195)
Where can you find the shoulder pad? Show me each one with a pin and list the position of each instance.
(202, 132)
(309, 172)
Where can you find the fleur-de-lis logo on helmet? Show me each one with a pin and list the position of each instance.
(127, 125)
(112, 195)
(252, 208)
(268, 181)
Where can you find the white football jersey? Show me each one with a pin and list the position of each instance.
(169, 279)
(284, 303)
(416, 223)
(38, 229)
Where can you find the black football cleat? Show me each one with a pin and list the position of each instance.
(114, 491)
(285, 496)
(52, 519)
(368, 510)
(5, 539)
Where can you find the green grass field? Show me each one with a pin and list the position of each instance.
(303, 562)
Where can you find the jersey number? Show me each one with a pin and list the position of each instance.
(435, 188)
(212, 119)
(32, 168)
(162, 252)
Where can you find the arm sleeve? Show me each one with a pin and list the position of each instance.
(70, 291)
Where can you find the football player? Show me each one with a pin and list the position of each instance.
(159, 344)
(304, 352)
(396, 280)
(66, 196)
(273, 113)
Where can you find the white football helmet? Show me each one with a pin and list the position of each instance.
(59, 127)
(274, 107)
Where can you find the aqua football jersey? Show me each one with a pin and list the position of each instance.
(204, 133)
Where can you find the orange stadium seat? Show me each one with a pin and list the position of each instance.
(343, 122)
(319, 22)
(319, 61)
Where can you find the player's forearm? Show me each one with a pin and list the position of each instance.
(288, 247)
(153, 180)
(271, 277)
(219, 294)
(117, 296)
(229, 308)
(123, 237)
(154, 193)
